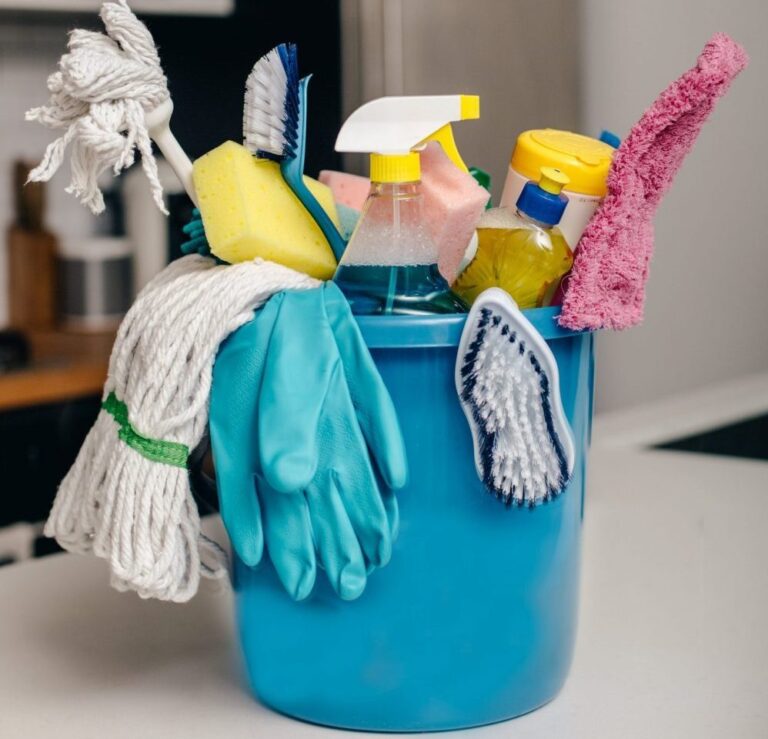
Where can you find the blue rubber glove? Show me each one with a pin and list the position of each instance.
(195, 232)
(298, 410)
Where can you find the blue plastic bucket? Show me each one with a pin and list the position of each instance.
(474, 619)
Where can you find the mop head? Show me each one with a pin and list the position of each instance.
(606, 288)
(104, 87)
(127, 498)
(508, 385)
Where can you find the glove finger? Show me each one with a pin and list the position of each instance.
(193, 228)
(393, 511)
(194, 245)
(368, 516)
(288, 533)
(373, 404)
(234, 389)
(239, 508)
(301, 358)
(356, 481)
(335, 540)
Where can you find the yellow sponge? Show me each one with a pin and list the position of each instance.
(249, 211)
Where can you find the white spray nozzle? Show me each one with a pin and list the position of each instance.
(396, 125)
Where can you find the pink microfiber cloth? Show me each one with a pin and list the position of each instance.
(606, 288)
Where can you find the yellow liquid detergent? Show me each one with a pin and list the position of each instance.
(522, 252)
(526, 260)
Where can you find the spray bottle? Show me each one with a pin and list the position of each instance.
(390, 263)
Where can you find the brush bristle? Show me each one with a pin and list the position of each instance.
(507, 390)
(271, 110)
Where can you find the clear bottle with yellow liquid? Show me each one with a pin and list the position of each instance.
(524, 252)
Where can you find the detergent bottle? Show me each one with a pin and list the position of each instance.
(586, 162)
(522, 252)
(390, 263)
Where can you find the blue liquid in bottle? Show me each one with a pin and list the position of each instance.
(413, 289)
(390, 264)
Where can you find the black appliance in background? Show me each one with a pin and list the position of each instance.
(37, 447)
(206, 60)
(747, 439)
(14, 350)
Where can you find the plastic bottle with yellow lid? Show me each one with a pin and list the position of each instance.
(522, 251)
(390, 263)
(584, 160)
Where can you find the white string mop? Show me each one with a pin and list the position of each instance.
(127, 497)
(109, 96)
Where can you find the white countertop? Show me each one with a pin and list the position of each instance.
(672, 637)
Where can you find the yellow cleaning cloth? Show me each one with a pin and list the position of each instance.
(249, 211)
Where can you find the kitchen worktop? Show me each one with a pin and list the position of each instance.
(64, 366)
(671, 638)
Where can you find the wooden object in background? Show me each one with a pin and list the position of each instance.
(64, 366)
(31, 257)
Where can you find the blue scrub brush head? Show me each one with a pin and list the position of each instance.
(271, 110)
(275, 127)
(508, 386)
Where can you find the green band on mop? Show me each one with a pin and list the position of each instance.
(155, 450)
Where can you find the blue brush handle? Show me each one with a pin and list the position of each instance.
(293, 173)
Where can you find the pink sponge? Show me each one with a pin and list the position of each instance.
(348, 189)
(453, 204)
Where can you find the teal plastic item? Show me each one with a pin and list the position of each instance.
(196, 242)
(483, 179)
(473, 621)
(298, 415)
(292, 168)
(348, 218)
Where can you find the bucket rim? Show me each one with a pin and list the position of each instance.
(400, 332)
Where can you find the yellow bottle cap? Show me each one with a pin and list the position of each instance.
(553, 180)
(584, 160)
(395, 167)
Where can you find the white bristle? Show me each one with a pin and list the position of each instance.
(523, 446)
(263, 112)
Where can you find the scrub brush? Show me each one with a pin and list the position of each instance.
(509, 389)
(275, 127)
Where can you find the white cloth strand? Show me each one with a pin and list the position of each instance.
(139, 514)
(99, 96)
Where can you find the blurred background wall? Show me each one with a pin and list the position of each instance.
(519, 56)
